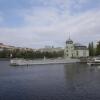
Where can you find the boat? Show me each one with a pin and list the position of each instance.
(23, 62)
(94, 61)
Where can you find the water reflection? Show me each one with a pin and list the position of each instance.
(49, 82)
(73, 71)
(72, 75)
(82, 80)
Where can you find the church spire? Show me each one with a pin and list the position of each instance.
(69, 36)
(69, 41)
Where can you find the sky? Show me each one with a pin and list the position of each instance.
(39, 23)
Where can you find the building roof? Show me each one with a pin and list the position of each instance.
(79, 46)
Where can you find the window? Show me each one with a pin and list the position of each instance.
(77, 53)
(84, 53)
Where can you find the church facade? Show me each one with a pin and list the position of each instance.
(75, 50)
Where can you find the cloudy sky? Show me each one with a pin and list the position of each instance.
(36, 23)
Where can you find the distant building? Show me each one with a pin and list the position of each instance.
(7, 47)
(51, 49)
(12, 48)
(75, 50)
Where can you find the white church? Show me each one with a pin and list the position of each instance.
(75, 50)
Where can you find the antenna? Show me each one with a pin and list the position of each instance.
(69, 35)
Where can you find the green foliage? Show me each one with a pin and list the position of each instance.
(30, 54)
(94, 51)
(91, 49)
(4, 54)
(98, 49)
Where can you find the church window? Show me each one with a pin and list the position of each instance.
(77, 53)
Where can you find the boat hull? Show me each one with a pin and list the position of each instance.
(23, 62)
(93, 63)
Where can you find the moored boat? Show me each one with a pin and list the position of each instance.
(20, 62)
(94, 61)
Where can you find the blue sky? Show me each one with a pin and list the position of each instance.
(36, 23)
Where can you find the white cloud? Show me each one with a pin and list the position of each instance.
(48, 26)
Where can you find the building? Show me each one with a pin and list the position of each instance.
(75, 50)
(51, 49)
(6, 47)
(12, 48)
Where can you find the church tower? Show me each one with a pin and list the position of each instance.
(69, 49)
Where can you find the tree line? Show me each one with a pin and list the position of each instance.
(94, 50)
(30, 54)
(16, 53)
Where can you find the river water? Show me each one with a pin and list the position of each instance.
(49, 82)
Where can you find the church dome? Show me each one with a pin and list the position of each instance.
(69, 41)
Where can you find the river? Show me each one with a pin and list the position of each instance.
(49, 82)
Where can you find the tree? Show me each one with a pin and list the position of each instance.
(98, 49)
(91, 49)
(17, 53)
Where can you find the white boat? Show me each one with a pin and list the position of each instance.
(22, 62)
(94, 61)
